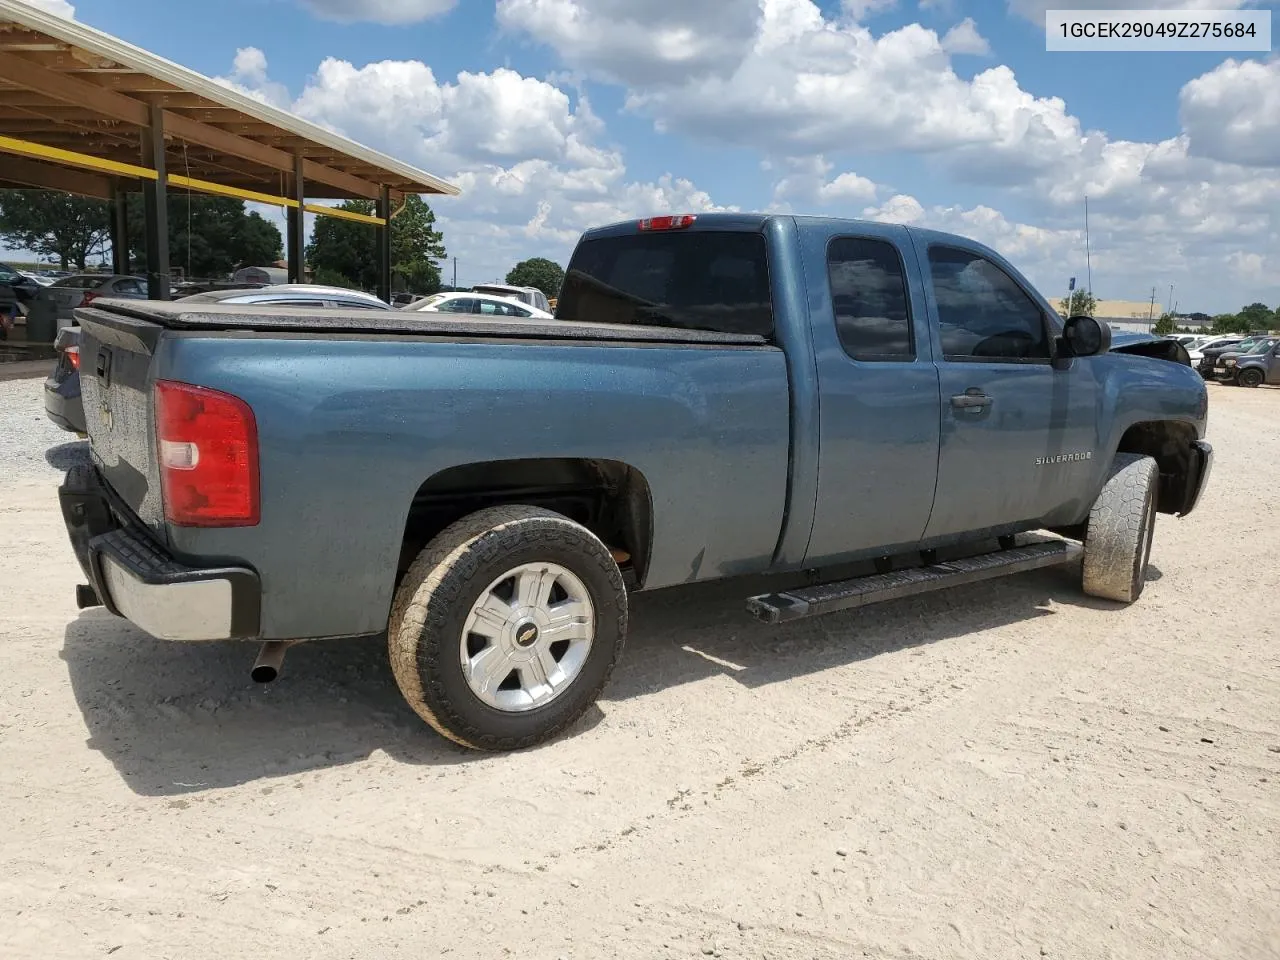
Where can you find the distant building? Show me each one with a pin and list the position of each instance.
(1138, 316)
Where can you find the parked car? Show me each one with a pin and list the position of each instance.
(83, 288)
(1209, 356)
(531, 296)
(24, 286)
(1196, 352)
(62, 402)
(292, 295)
(1254, 368)
(734, 394)
(482, 304)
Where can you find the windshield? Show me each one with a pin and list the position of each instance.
(700, 280)
(1262, 346)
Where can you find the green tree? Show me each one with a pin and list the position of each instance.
(1256, 316)
(1080, 303)
(1226, 323)
(348, 249)
(212, 238)
(53, 224)
(539, 272)
(1164, 325)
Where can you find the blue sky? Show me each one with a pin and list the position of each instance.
(557, 114)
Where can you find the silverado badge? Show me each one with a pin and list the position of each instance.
(1064, 458)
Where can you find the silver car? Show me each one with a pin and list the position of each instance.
(83, 288)
(293, 295)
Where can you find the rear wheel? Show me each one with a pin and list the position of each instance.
(507, 627)
(1117, 545)
(1250, 377)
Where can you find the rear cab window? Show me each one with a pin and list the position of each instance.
(715, 280)
(869, 299)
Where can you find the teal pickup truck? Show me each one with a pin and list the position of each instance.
(719, 395)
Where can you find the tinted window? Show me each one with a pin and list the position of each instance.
(82, 282)
(703, 280)
(869, 296)
(982, 312)
(128, 286)
(491, 309)
(457, 306)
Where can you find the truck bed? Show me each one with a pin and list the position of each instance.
(234, 318)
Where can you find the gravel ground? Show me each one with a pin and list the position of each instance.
(30, 443)
(1006, 771)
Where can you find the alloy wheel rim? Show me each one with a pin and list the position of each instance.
(527, 637)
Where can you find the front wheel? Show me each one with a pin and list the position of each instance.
(1250, 377)
(1117, 544)
(507, 626)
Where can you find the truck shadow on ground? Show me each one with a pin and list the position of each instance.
(176, 718)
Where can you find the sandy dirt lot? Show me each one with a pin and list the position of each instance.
(1004, 771)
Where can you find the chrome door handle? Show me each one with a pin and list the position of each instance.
(970, 399)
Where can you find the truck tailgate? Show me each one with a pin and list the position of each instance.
(116, 356)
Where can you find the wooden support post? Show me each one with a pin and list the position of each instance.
(296, 253)
(119, 229)
(156, 208)
(384, 245)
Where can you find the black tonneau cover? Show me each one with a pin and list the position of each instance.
(175, 315)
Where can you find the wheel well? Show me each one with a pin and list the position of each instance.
(608, 497)
(1169, 442)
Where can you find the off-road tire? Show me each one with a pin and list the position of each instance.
(435, 597)
(1250, 377)
(1117, 543)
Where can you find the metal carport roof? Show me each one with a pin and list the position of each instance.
(85, 112)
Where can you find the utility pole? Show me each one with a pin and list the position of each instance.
(455, 273)
(1151, 310)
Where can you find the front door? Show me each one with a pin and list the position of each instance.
(1018, 436)
(878, 421)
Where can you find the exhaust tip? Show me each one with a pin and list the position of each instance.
(86, 596)
(270, 660)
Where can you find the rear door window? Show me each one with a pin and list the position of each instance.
(699, 280)
(869, 298)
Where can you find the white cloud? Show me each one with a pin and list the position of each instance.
(249, 76)
(389, 12)
(808, 181)
(1232, 113)
(1034, 10)
(524, 152)
(639, 41)
(965, 38)
(860, 10)
(59, 8)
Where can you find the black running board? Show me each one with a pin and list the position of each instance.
(861, 591)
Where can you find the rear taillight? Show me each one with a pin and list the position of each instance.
(208, 450)
(73, 357)
(88, 297)
(667, 223)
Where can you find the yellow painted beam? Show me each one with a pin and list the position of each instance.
(324, 211)
(70, 158)
(206, 186)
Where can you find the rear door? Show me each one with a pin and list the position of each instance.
(1017, 435)
(878, 387)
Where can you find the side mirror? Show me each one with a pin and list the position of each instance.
(1086, 337)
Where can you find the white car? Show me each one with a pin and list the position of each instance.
(1197, 351)
(476, 304)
